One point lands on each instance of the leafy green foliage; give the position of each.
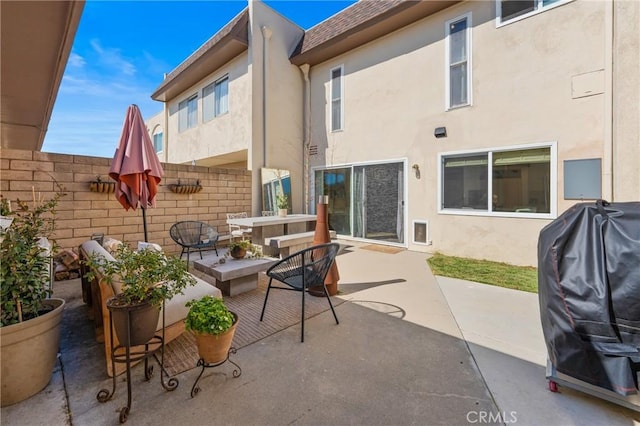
(523, 278)
(208, 315)
(146, 275)
(24, 266)
(282, 201)
(253, 250)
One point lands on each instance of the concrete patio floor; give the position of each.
(410, 349)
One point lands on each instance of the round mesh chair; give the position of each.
(194, 235)
(302, 271)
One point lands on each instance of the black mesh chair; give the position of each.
(304, 270)
(194, 235)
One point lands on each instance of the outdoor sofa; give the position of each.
(97, 292)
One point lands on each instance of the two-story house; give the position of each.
(455, 126)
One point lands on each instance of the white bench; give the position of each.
(293, 242)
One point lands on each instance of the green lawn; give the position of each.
(523, 278)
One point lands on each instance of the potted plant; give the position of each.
(238, 249)
(282, 202)
(29, 318)
(145, 279)
(213, 326)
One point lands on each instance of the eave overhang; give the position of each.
(226, 44)
(359, 24)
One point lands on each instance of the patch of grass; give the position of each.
(523, 278)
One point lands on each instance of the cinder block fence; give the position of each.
(82, 212)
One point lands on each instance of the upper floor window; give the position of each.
(502, 182)
(188, 113)
(336, 99)
(158, 144)
(215, 99)
(509, 10)
(458, 60)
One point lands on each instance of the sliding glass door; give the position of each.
(365, 201)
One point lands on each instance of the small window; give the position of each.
(158, 144)
(336, 99)
(215, 99)
(458, 43)
(188, 113)
(512, 10)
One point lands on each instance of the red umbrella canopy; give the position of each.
(135, 166)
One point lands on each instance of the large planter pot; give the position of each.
(214, 348)
(28, 352)
(143, 321)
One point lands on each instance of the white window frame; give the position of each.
(447, 61)
(553, 182)
(341, 99)
(213, 98)
(540, 7)
(187, 102)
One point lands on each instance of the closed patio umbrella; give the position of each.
(135, 166)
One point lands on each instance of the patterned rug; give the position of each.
(283, 310)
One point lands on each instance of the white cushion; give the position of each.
(176, 309)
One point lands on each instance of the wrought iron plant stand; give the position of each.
(126, 354)
(201, 363)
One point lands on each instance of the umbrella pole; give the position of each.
(144, 224)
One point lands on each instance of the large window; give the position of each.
(501, 182)
(458, 60)
(336, 99)
(215, 99)
(188, 113)
(510, 10)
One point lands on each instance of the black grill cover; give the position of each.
(589, 292)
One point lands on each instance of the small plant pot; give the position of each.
(282, 212)
(238, 252)
(214, 348)
(143, 321)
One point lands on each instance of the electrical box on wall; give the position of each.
(583, 179)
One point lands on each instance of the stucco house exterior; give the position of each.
(455, 126)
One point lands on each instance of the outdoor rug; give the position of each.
(283, 310)
(383, 249)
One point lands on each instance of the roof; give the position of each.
(223, 46)
(359, 24)
(36, 40)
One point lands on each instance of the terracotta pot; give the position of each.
(214, 348)
(238, 253)
(29, 351)
(143, 321)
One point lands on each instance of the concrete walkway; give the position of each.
(410, 349)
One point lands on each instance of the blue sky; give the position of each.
(121, 51)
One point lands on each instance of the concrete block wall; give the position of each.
(83, 212)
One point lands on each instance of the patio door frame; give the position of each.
(352, 166)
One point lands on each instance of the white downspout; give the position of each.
(306, 123)
(608, 154)
(266, 36)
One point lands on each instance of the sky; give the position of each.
(120, 54)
